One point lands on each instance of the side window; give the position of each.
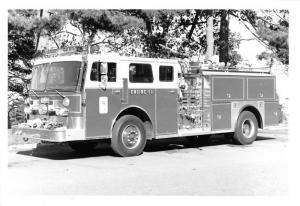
(95, 72)
(111, 72)
(166, 73)
(140, 73)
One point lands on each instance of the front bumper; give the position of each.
(55, 135)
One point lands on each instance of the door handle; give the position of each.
(172, 91)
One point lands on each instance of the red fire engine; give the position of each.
(80, 99)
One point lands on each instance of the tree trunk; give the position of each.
(210, 38)
(224, 37)
(38, 36)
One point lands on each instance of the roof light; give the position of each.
(66, 51)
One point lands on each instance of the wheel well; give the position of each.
(142, 115)
(256, 114)
(136, 112)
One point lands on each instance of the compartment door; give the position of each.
(166, 111)
(227, 88)
(261, 88)
(221, 116)
(272, 113)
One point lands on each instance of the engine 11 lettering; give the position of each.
(141, 91)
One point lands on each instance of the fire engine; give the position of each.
(81, 99)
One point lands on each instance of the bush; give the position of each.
(15, 116)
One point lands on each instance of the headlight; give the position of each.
(27, 110)
(62, 112)
(42, 109)
(66, 101)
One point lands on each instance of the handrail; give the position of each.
(194, 67)
(238, 70)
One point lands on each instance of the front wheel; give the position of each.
(128, 136)
(246, 128)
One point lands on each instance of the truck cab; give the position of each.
(79, 99)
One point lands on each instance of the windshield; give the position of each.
(57, 75)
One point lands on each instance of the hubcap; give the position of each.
(131, 136)
(248, 128)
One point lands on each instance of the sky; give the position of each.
(248, 49)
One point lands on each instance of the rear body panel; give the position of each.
(272, 113)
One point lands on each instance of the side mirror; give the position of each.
(103, 69)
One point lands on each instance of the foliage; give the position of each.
(277, 38)
(21, 49)
(91, 27)
(270, 28)
(24, 28)
(151, 33)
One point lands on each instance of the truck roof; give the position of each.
(115, 57)
(78, 57)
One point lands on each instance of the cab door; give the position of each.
(166, 100)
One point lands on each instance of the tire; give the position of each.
(246, 128)
(83, 146)
(128, 136)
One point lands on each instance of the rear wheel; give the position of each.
(246, 128)
(128, 136)
(83, 146)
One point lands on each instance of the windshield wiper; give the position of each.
(63, 96)
(60, 94)
(34, 93)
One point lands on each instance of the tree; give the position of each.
(92, 27)
(210, 37)
(21, 49)
(224, 37)
(270, 28)
(24, 29)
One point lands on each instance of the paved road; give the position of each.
(168, 167)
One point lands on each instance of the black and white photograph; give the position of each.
(147, 102)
